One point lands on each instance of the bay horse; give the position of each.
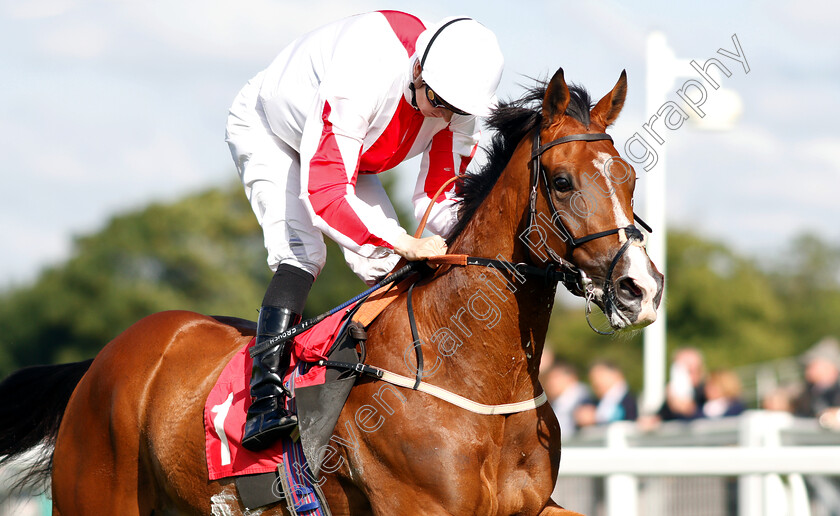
(127, 427)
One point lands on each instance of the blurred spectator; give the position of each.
(686, 391)
(615, 401)
(822, 388)
(566, 393)
(723, 395)
(779, 399)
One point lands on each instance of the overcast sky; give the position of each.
(107, 105)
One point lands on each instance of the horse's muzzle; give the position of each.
(637, 293)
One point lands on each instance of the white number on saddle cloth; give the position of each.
(221, 412)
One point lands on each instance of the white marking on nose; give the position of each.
(638, 260)
(618, 213)
(638, 272)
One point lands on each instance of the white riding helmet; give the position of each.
(462, 63)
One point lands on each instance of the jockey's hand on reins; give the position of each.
(413, 249)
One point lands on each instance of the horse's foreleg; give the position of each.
(552, 509)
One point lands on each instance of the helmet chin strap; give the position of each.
(413, 95)
(416, 76)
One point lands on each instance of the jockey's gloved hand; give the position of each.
(412, 248)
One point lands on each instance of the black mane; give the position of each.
(511, 121)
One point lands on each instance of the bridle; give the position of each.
(628, 235)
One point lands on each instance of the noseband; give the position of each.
(628, 235)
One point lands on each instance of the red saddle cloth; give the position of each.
(229, 399)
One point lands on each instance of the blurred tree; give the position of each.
(722, 303)
(807, 278)
(203, 253)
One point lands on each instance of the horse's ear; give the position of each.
(556, 98)
(607, 109)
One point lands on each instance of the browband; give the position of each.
(586, 137)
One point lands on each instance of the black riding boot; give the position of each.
(267, 419)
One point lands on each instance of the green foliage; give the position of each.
(201, 254)
(723, 304)
(807, 279)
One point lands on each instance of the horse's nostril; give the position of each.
(629, 289)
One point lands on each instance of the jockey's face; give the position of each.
(423, 104)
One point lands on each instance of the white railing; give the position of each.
(771, 454)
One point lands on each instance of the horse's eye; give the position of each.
(562, 184)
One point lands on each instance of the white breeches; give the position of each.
(270, 172)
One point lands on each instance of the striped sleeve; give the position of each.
(449, 154)
(329, 168)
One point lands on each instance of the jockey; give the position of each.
(309, 134)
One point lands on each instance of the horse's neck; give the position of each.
(494, 229)
(500, 317)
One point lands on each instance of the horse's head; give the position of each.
(583, 207)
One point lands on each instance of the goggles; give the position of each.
(438, 102)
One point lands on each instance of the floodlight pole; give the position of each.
(662, 69)
(659, 79)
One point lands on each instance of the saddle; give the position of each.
(326, 363)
